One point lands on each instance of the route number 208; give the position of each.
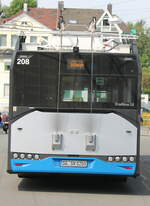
(23, 61)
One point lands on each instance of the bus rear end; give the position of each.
(75, 113)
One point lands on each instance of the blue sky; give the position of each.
(127, 10)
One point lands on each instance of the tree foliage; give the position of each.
(139, 26)
(144, 50)
(17, 5)
(143, 43)
(5, 10)
(146, 80)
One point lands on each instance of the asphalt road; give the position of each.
(74, 191)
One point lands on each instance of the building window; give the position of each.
(3, 40)
(13, 40)
(6, 90)
(7, 66)
(33, 39)
(44, 42)
(106, 20)
(72, 21)
(25, 23)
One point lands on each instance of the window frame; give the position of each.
(5, 41)
(43, 43)
(7, 66)
(6, 90)
(34, 42)
(13, 41)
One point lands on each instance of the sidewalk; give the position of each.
(1, 131)
(145, 131)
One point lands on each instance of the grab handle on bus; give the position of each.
(20, 128)
(128, 131)
(57, 141)
(91, 142)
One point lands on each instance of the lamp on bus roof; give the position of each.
(76, 49)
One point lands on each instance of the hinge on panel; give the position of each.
(91, 142)
(57, 141)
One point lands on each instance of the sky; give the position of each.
(127, 10)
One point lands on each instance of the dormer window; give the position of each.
(72, 21)
(106, 20)
(104, 24)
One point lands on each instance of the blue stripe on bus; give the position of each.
(53, 165)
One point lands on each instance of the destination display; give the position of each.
(75, 64)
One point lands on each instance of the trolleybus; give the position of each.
(74, 112)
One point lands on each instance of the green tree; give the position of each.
(5, 10)
(144, 50)
(17, 5)
(143, 43)
(146, 80)
(139, 26)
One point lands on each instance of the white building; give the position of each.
(144, 98)
(5, 62)
(33, 24)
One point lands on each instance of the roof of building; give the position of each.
(75, 19)
(79, 19)
(47, 17)
(124, 27)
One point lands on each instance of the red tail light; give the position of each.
(127, 168)
(19, 164)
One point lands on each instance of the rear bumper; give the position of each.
(53, 165)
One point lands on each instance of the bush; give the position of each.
(146, 81)
(146, 91)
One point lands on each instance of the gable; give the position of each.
(104, 24)
(26, 22)
(120, 27)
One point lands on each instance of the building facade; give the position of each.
(32, 23)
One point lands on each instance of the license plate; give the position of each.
(74, 163)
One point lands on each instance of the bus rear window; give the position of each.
(75, 89)
(114, 92)
(99, 92)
